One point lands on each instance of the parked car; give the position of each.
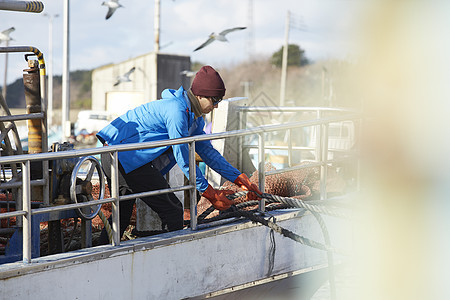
(91, 121)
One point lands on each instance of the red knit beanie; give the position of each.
(208, 83)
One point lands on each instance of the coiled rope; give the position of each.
(287, 202)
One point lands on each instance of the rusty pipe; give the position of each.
(32, 87)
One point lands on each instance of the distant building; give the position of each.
(143, 84)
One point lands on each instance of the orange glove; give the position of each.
(218, 198)
(247, 185)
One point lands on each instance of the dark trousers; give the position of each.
(143, 179)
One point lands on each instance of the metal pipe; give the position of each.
(25, 6)
(261, 170)
(192, 181)
(26, 203)
(44, 132)
(31, 116)
(17, 184)
(115, 207)
(35, 50)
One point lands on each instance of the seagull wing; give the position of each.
(8, 31)
(117, 82)
(110, 12)
(127, 74)
(226, 31)
(208, 41)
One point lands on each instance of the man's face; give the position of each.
(207, 104)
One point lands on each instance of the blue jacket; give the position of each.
(168, 118)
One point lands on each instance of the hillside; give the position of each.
(80, 91)
(324, 83)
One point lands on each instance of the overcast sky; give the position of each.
(321, 27)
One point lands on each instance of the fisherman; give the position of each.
(178, 114)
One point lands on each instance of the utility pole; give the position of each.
(250, 32)
(8, 38)
(65, 121)
(284, 61)
(50, 68)
(5, 84)
(156, 29)
(157, 25)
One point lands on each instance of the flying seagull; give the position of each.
(125, 77)
(188, 73)
(4, 35)
(219, 37)
(112, 6)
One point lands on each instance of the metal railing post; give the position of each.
(289, 147)
(240, 140)
(324, 161)
(261, 169)
(114, 190)
(318, 137)
(192, 181)
(26, 200)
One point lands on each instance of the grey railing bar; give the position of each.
(279, 147)
(309, 165)
(154, 144)
(154, 193)
(44, 210)
(12, 214)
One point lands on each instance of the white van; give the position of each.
(92, 121)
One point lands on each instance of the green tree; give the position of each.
(296, 56)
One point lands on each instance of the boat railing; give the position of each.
(25, 161)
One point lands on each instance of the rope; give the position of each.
(272, 249)
(301, 204)
(66, 247)
(107, 225)
(287, 233)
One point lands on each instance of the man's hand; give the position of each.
(218, 198)
(247, 185)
